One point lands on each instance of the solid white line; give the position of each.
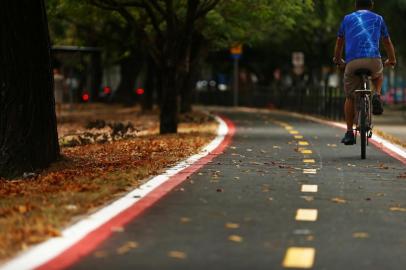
(42, 253)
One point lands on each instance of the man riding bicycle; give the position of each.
(361, 32)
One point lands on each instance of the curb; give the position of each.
(379, 142)
(83, 237)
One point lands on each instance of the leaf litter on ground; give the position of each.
(92, 174)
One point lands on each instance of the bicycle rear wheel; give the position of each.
(363, 129)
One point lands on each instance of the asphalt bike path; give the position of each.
(285, 195)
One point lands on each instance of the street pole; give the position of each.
(236, 81)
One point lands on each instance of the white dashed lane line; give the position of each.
(309, 171)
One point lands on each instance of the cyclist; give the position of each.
(361, 32)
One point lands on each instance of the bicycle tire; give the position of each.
(363, 129)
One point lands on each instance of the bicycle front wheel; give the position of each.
(363, 129)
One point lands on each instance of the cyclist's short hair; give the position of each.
(364, 4)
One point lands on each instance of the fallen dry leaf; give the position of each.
(230, 225)
(185, 220)
(176, 254)
(22, 209)
(310, 238)
(117, 229)
(71, 207)
(361, 235)
(308, 198)
(127, 247)
(100, 254)
(338, 200)
(235, 238)
(397, 209)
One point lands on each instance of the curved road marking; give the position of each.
(82, 238)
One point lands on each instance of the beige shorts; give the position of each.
(353, 82)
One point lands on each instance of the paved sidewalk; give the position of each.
(285, 195)
(393, 123)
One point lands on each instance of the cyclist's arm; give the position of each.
(338, 51)
(390, 51)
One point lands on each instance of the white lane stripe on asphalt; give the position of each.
(44, 252)
(309, 171)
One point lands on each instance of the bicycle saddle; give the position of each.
(362, 72)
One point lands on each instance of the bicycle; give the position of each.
(364, 113)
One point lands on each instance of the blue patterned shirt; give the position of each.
(362, 31)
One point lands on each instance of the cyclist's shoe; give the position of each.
(349, 138)
(377, 105)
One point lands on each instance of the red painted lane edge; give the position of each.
(388, 151)
(378, 145)
(96, 237)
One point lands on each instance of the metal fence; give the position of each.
(315, 100)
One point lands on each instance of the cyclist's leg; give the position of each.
(377, 82)
(349, 112)
(376, 67)
(351, 83)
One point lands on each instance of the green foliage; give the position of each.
(76, 23)
(252, 21)
(247, 21)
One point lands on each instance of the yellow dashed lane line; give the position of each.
(302, 257)
(299, 257)
(306, 215)
(310, 188)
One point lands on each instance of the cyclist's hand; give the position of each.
(389, 63)
(339, 62)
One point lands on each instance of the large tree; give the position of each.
(177, 30)
(28, 134)
(168, 36)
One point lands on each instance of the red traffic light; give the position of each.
(140, 91)
(107, 90)
(85, 97)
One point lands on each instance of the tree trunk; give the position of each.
(195, 52)
(169, 105)
(130, 68)
(28, 134)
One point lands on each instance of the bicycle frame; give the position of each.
(364, 115)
